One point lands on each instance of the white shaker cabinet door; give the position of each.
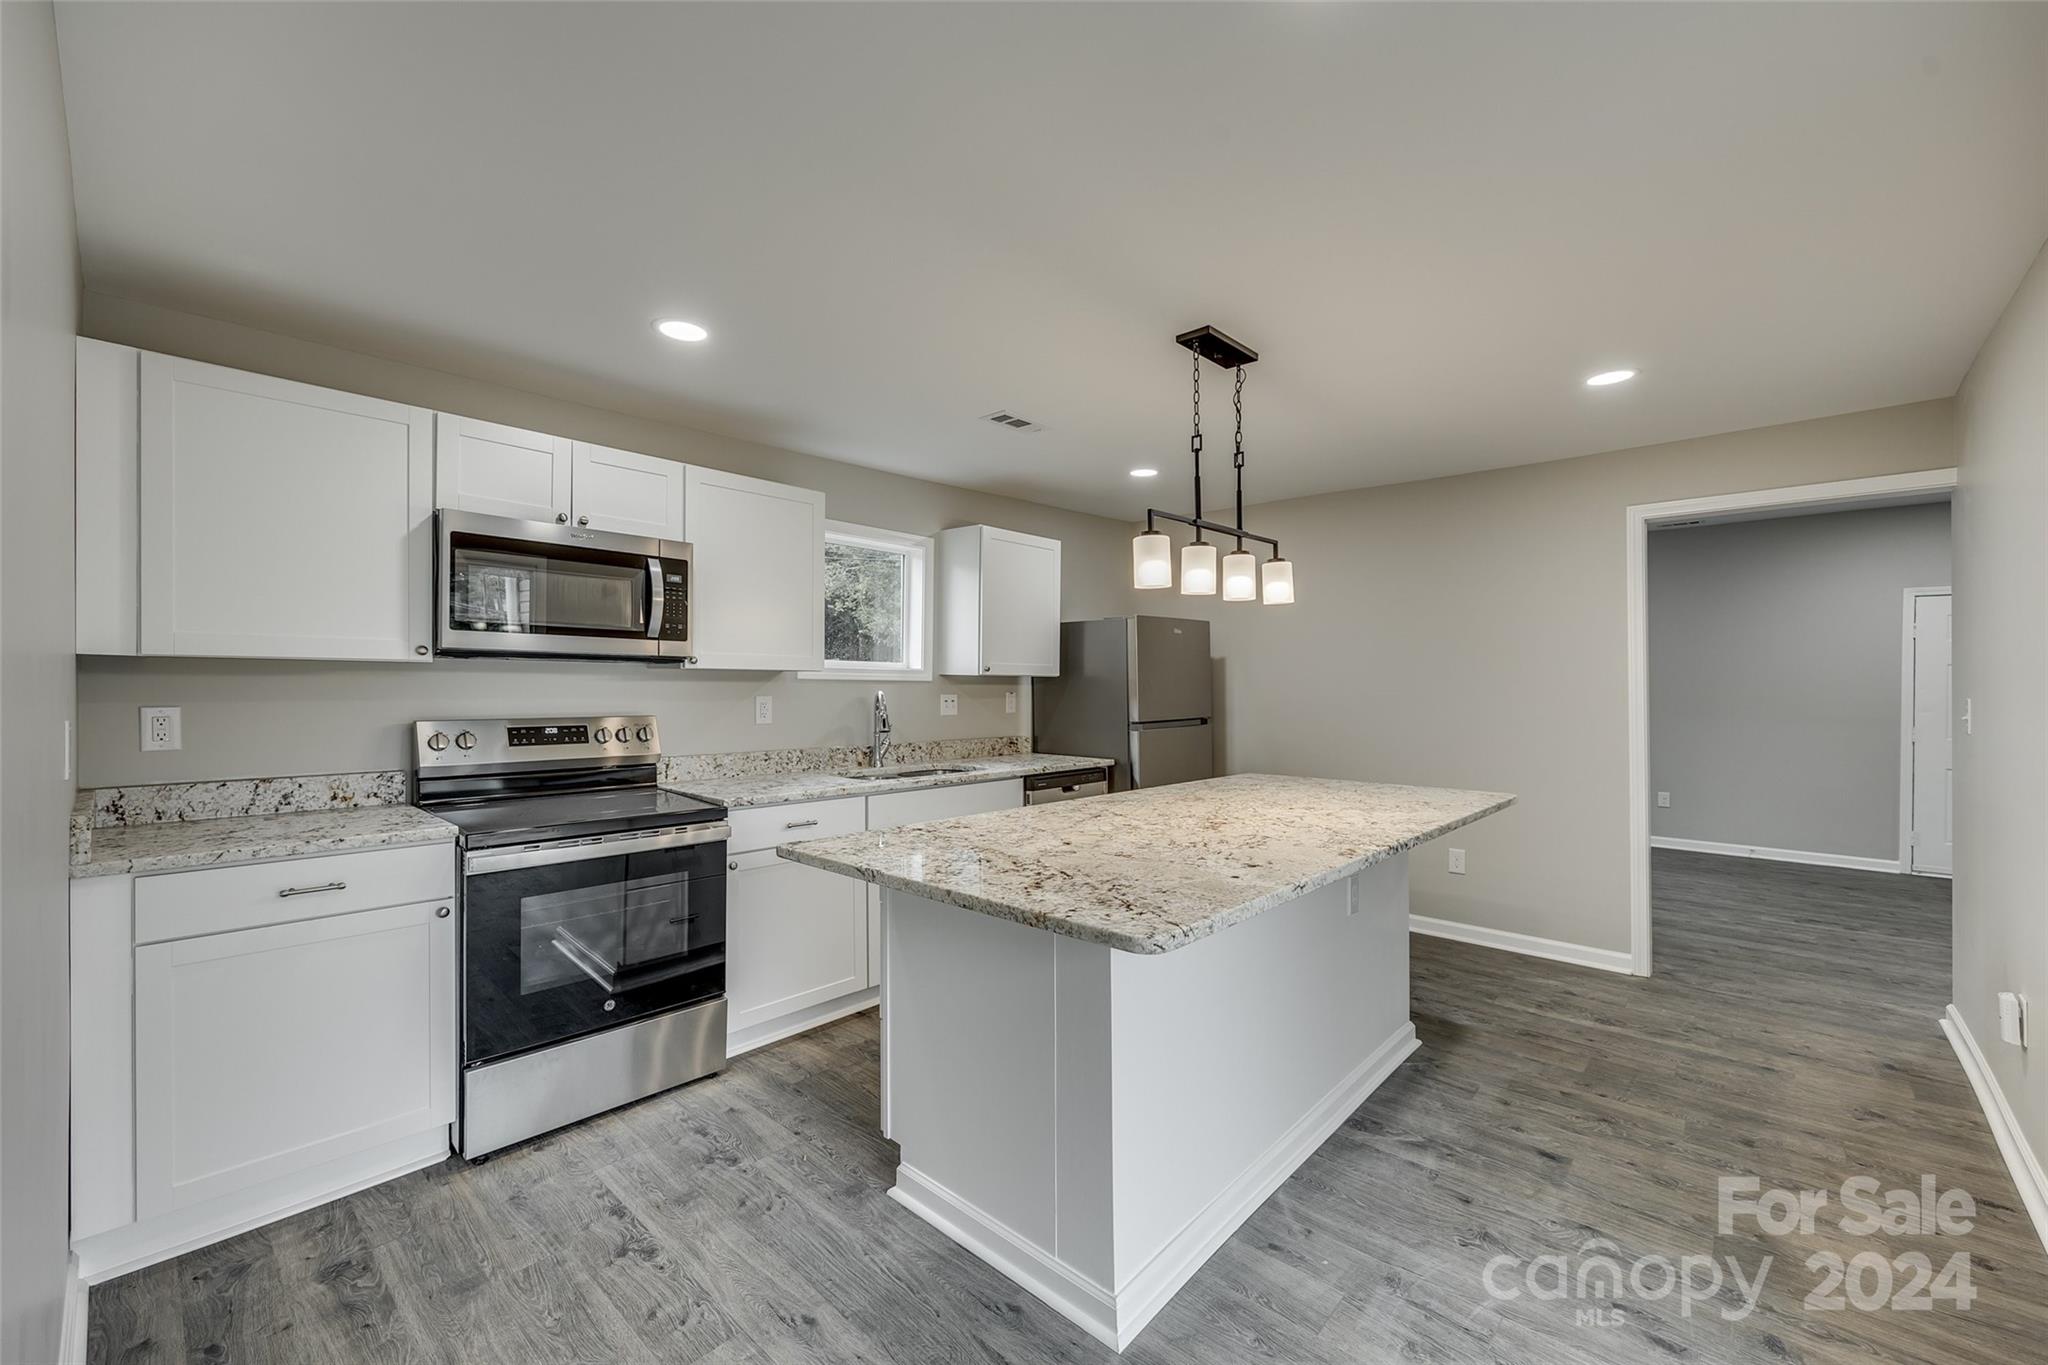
(267, 1051)
(281, 521)
(758, 553)
(795, 936)
(633, 495)
(999, 603)
(500, 471)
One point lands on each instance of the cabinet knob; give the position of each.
(442, 913)
(562, 518)
(420, 650)
(583, 521)
(732, 867)
(988, 668)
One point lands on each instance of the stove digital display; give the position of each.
(518, 735)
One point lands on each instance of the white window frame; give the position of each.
(917, 665)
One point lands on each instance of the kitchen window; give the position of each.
(878, 604)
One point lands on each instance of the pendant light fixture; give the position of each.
(1241, 576)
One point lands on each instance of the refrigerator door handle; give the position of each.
(1168, 724)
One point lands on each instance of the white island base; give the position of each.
(1095, 1123)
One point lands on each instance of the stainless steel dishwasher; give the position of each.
(1066, 786)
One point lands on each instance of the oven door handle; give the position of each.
(616, 846)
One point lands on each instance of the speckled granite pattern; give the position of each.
(678, 770)
(1151, 871)
(169, 845)
(778, 789)
(244, 796)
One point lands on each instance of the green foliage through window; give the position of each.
(866, 603)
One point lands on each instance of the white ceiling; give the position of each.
(1433, 221)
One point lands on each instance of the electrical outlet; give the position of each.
(764, 710)
(2012, 1018)
(1664, 800)
(949, 703)
(1010, 702)
(163, 727)
(1458, 861)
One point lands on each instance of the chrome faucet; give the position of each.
(878, 746)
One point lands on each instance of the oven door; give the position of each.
(564, 940)
(504, 586)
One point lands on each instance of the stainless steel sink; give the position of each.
(887, 774)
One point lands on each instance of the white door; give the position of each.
(280, 520)
(267, 1051)
(795, 936)
(1020, 604)
(500, 471)
(1933, 735)
(634, 495)
(758, 553)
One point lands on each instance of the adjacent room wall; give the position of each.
(38, 314)
(1774, 676)
(1471, 632)
(2001, 675)
(247, 719)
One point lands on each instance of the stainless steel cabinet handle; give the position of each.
(798, 824)
(583, 521)
(419, 649)
(442, 913)
(312, 890)
(561, 518)
(732, 867)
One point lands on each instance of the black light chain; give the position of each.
(1237, 455)
(1195, 441)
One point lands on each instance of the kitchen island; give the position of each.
(1111, 1028)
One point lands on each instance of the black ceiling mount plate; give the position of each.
(1217, 348)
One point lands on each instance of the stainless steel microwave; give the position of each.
(504, 586)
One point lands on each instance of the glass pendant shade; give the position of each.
(1198, 569)
(1240, 576)
(1151, 561)
(1277, 578)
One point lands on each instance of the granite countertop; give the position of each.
(1154, 870)
(776, 789)
(171, 845)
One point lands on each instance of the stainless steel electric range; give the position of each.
(593, 919)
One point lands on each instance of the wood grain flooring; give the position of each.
(1789, 1035)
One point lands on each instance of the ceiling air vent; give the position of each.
(1012, 421)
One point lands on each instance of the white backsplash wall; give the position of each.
(246, 718)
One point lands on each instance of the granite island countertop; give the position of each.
(1153, 870)
(739, 791)
(173, 845)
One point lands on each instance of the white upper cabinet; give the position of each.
(999, 603)
(634, 495)
(279, 520)
(500, 471)
(758, 553)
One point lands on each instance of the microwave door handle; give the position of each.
(657, 598)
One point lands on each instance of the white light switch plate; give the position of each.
(163, 727)
(949, 703)
(1458, 860)
(1664, 800)
(2012, 1018)
(764, 710)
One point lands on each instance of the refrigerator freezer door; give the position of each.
(1169, 669)
(1164, 754)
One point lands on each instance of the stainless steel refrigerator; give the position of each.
(1135, 689)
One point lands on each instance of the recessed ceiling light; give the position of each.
(1144, 473)
(1606, 377)
(675, 329)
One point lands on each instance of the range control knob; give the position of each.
(437, 741)
(465, 741)
(604, 736)
(643, 734)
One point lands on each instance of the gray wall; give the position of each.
(2001, 630)
(1471, 632)
(38, 313)
(258, 719)
(1774, 675)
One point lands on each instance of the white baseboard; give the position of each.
(71, 1343)
(2005, 1126)
(1605, 959)
(1777, 855)
(1115, 1317)
(803, 1021)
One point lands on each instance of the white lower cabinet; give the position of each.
(255, 1053)
(795, 939)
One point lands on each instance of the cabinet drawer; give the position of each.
(213, 900)
(767, 826)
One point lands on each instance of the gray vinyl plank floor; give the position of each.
(1789, 1035)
